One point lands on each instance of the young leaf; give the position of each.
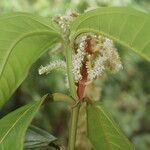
(23, 38)
(103, 132)
(37, 138)
(129, 27)
(14, 125)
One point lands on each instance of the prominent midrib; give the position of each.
(117, 130)
(17, 120)
(109, 120)
(106, 137)
(26, 35)
(13, 125)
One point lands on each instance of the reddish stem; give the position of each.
(81, 84)
(88, 45)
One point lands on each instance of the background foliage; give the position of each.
(126, 94)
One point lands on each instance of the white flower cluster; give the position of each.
(78, 59)
(64, 21)
(111, 53)
(97, 69)
(58, 64)
(104, 57)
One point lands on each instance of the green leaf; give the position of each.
(128, 27)
(37, 138)
(23, 39)
(103, 132)
(14, 125)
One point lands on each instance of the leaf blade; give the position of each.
(124, 25)
(103, 132)
(14, 125)
(23, 39)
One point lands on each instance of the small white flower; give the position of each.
(108, 44)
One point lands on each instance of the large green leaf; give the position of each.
(23, 38)
(14, 125)
(103, 132)
(127, 26)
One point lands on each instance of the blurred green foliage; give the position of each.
(126, 95)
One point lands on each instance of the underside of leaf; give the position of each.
(23, 39)
(126, 26)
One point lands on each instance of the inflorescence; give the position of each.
(64, 20)
(103, 56)
(95, 52)
(58, 64)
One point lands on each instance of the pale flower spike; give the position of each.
(78, 59)
(58, 64)
(103, 57)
